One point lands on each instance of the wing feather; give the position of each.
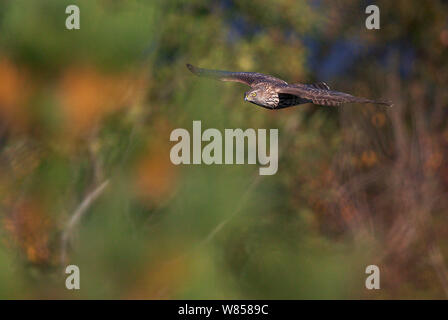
(249, 78)
(325, 97)
(320, 85)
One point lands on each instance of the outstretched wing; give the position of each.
(319, 85)
(249, 78)
(325, 97)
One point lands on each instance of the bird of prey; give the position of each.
(273, 93)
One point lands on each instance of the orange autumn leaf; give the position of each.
(87, 95)
(444, 37)
(163, 279)
(378, 119)
(13, 93)
(155, 175)
(434, 160)
(369, 158)
(29, 228)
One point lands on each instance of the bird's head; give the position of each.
(254, 96)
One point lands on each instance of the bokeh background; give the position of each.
(85, 175)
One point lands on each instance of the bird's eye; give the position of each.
(253, 94)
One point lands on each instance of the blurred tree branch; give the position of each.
(80, 211)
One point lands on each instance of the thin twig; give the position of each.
(76, 217)
(290, 126)
(238, 208)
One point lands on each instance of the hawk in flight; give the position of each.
(273, 93)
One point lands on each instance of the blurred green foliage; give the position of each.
(81, 107)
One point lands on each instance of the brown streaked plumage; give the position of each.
(273, 93)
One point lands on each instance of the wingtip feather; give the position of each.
(387, 103)
(383, 102)
(192, 68)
